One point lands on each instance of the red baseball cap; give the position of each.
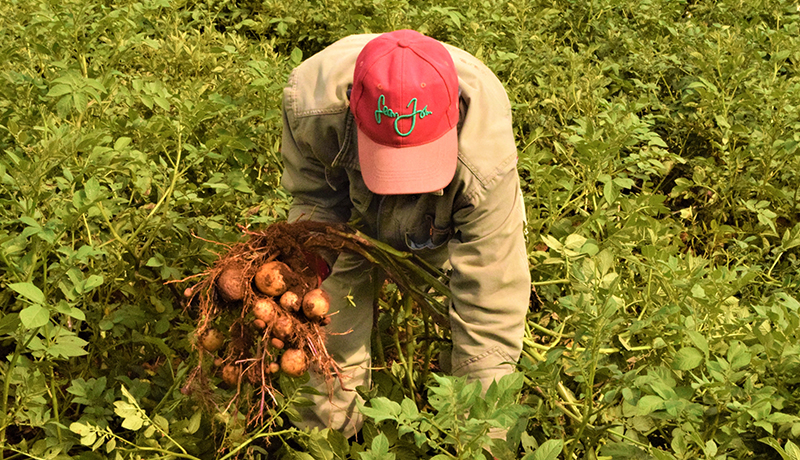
(405, 103)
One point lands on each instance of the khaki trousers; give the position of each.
(353, 286)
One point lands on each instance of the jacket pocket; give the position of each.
(427, 235)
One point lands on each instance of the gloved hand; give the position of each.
(318, 264)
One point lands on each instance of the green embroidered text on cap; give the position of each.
(384, 110)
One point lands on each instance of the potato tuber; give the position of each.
(231, 283)
(283, 327)
(265, 309)
(294, 362)
(231, 374)
(270, 278)
(316, 304)
(290, 301)
(212, 340)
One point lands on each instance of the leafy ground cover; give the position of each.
(658, 146)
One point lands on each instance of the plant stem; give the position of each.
(603, 351)
(54, 398)
(588, 388)
(400, 355)
(7, 388)
(168, 193)
(550, 282)
(381, 358)
(410, 347)
(152, 449)
(544, 330)
(428, 350)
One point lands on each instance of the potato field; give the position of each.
(659, 149)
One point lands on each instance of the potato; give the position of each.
(270, 278)
(260, 324)
(231, 374)
(212, 340)
(316, 304)
(290, 301)
(283, 327)
(294, 362)
(277, 343)
(231, 283)
(274, 368)
(265, 309)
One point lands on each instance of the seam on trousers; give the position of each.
(495, 350)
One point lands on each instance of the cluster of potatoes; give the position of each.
(278, 310)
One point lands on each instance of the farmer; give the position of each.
(410, 140)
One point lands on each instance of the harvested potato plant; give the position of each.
(262, 298)
(249, 307)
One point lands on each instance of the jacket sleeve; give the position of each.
(491, 282)
(319, 191)
(491, 279)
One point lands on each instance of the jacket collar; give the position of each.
(347, 157)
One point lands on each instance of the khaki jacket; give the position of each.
(476, 223)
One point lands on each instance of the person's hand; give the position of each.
(318, 264)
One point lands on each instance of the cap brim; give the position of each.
(406, 170)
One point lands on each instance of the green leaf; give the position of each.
(59, 90)
(92, 282)
(162, 423)
(649, 403)
(552, 242)
(92, 189)
(687, 358)
(67, 346)
(34, 316)
(130, 415)
(379, 449)
(162, 102)
(792, 450)
(624, 182)
(80, 101)
(87, 433)
(738, 355)
(610, 192)
(549, 450)
(121, 143)
(319, 447)
(699, 341)
(710, 449)
(296, 56)
(9, 323)
(409, 409)
(194, 422)
(29, 291)
(661, 455)
(382, 409)
(574, 241)
(130, 412)
(76, 313)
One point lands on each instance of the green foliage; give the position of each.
(459, 424)
(659, 154)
